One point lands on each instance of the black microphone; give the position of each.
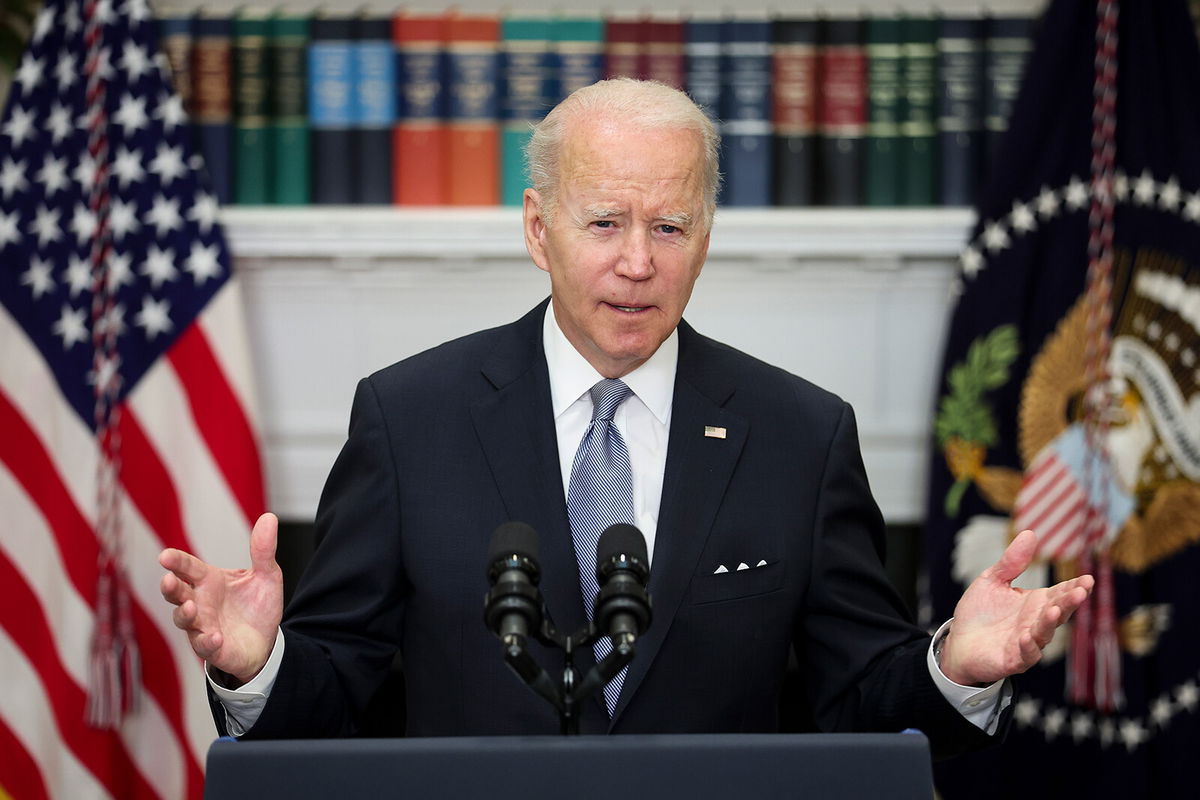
(622, 608)
(513, 606)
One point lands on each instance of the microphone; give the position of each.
(622, 608)
(513, 606)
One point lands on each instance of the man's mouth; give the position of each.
(628, 309)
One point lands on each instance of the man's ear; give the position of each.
(535, 228)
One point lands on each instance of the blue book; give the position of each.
(960, 47)
(212, 95)
(702, 63)
(747, 148)
(375, 106)
(1009, 43)
(332, 108)
(579, 53)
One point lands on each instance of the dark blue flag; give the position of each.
(1084, 427)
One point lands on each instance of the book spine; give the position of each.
(960, 117)
(746, 113)
(331, 108)
(1009, 43)
(842, 112)
(662, 51)
(579, 46)
(794, 114)
(882, 158)
(212, 94)
(474, 137)
(528, 94)
(918, 143)
(419, 139)
(375, 101)
(623, 47)
(251, 161)
(702, 75)
(175, 37)
(288, 143)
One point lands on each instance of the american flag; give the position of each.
(125, 411)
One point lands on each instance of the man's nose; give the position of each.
(637, 258)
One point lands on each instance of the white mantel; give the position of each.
(855, 300)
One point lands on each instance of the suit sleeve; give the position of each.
(863, 659)
(343, 625)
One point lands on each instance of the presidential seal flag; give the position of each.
(1070, 404)
(125, 422)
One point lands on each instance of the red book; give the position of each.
(420, 138)
(473, 138)
(661, 42)
(623, 47)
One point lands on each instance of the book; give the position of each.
(287, 132)
(473, 139)
(882, 157)
(960, 108)
(251, 161)
(746, 112)
(918, 139)
(1009, 41)
(841, 111)
(331, 108)
(661, 41)
(623, 46)
(794, 110)
(702, 62)
(579, 47)
(375, 103)
(528, 69)
(175, 40)
(419, 138)
(212, 95)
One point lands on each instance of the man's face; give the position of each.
(627, 242)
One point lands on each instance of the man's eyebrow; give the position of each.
(601, 212)
(682, 218)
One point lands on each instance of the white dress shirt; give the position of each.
(644, 420)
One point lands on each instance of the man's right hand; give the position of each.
(231, 616)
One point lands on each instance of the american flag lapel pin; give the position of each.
(714, 432)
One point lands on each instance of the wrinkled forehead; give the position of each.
(602, 153)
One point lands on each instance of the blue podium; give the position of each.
(662, 767)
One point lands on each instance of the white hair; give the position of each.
(643, 104)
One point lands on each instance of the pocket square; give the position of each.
(721, 568)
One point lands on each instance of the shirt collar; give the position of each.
(571, 376)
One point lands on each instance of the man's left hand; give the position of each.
(1000, 630)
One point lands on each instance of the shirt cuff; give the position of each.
(980, 707)
(244, 705)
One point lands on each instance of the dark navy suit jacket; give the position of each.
(445, 446)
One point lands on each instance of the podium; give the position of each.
(662, 767)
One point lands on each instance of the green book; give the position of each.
(251, 166)
(529, 85)
(287, 132)
(918, 140)
(884, 111)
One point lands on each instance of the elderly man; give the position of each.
(721, 460)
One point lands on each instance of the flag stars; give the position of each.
(8, 229)
(12, 178)
(38, 278)
(132, 114)
(164, 215)
(1108, 731)
(1144, 189)
(137, 10)
(159, 266)
(1054, 722)
(19, 126)
(71, 326)
(53, 175)
(203, 262)
(85, 172)
(1081, 726)
(127, 166)
(79, 275)
(112, 322)
(1076, 194)
(29, 74)
(1188, 696)
(1170, 196)
(971, 261)
(43, 24)
(45, 225)
(995, 237)
(155, 317)
(168, 164)
(204, 211)
(1047, 203)
(135, 61)
(1133, 734)
(122, 219)
(120, 272)
(83, 223)
(59, 122)
(1121, 186)
(1023, 220)
(170, 111)
(1191, 208)
(1026, 711)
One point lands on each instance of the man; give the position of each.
(731, 462)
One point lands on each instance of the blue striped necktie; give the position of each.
(600, 495)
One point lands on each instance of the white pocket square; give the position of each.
(743, 565)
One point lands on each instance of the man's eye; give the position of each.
(669, 229)
(604, 223)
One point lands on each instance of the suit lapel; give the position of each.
(698, 471)
(515, 426)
